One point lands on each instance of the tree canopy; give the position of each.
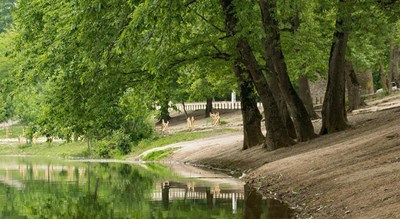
(94, 67)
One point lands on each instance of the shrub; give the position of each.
(118, 143)
(138, 129)
(121, 141)
(103, 149)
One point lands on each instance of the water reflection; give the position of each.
(255, 206)
(252, 203)
(40, 188)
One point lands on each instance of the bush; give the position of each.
(118, 143)
(103, 149)
(138, 129)
(122, 141)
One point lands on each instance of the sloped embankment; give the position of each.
(351, 174)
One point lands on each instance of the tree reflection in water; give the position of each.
(252, 203)
(256, 208)
(60, 189)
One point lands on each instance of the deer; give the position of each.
(164, 126)
(190, 122)
(216, 118)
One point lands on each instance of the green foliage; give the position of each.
(15, 131)
(72, 78)
(94, 68)
(136, 114)
(307, 46)
(376, 78)
(65, 189)
(6, 6)
(117, 144)
(7, 84)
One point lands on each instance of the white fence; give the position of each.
(215, 105)
(222, 105)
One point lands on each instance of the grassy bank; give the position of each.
(159, 155)
(79, 149)
(160, 141)
(75, 149)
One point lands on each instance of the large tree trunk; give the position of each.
(209, 107)
(334, 116)
(252, 203)
(366, 82)
(353, 88)
(277, 135)
(283, 109)
(394, 63)
(184, 109)
(384, 79)
(301, 120)
(391, 68)
(250, 113)
(305, 96)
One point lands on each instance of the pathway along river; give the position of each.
(39, 187)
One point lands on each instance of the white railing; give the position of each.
(222, 105)
(215, 105)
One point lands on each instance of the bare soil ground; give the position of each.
(349, 174)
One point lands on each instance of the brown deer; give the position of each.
(216, 118)
(164, 126)
(190, 122)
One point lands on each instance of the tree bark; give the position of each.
(277, 135)
(301, 120)
(252, 203)
(283, 109)
(334, 116)
(391, 68)
(384, 78)
(353, 88)
(366, 82)
(305, 96)
(396, 76)
(394, 63)
(184, 109)
(209, 107)
(250, 113)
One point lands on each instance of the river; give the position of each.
(41, 187)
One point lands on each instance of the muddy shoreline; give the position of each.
(349, 174)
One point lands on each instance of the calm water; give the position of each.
(32, 187)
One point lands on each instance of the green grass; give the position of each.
(159, 141)
(79, 149)
(159, 155)
(222, 122)
(13, 131)
(46, 149)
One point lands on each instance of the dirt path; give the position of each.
(197, 145)
(350, 174)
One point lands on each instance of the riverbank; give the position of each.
(350, 174)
